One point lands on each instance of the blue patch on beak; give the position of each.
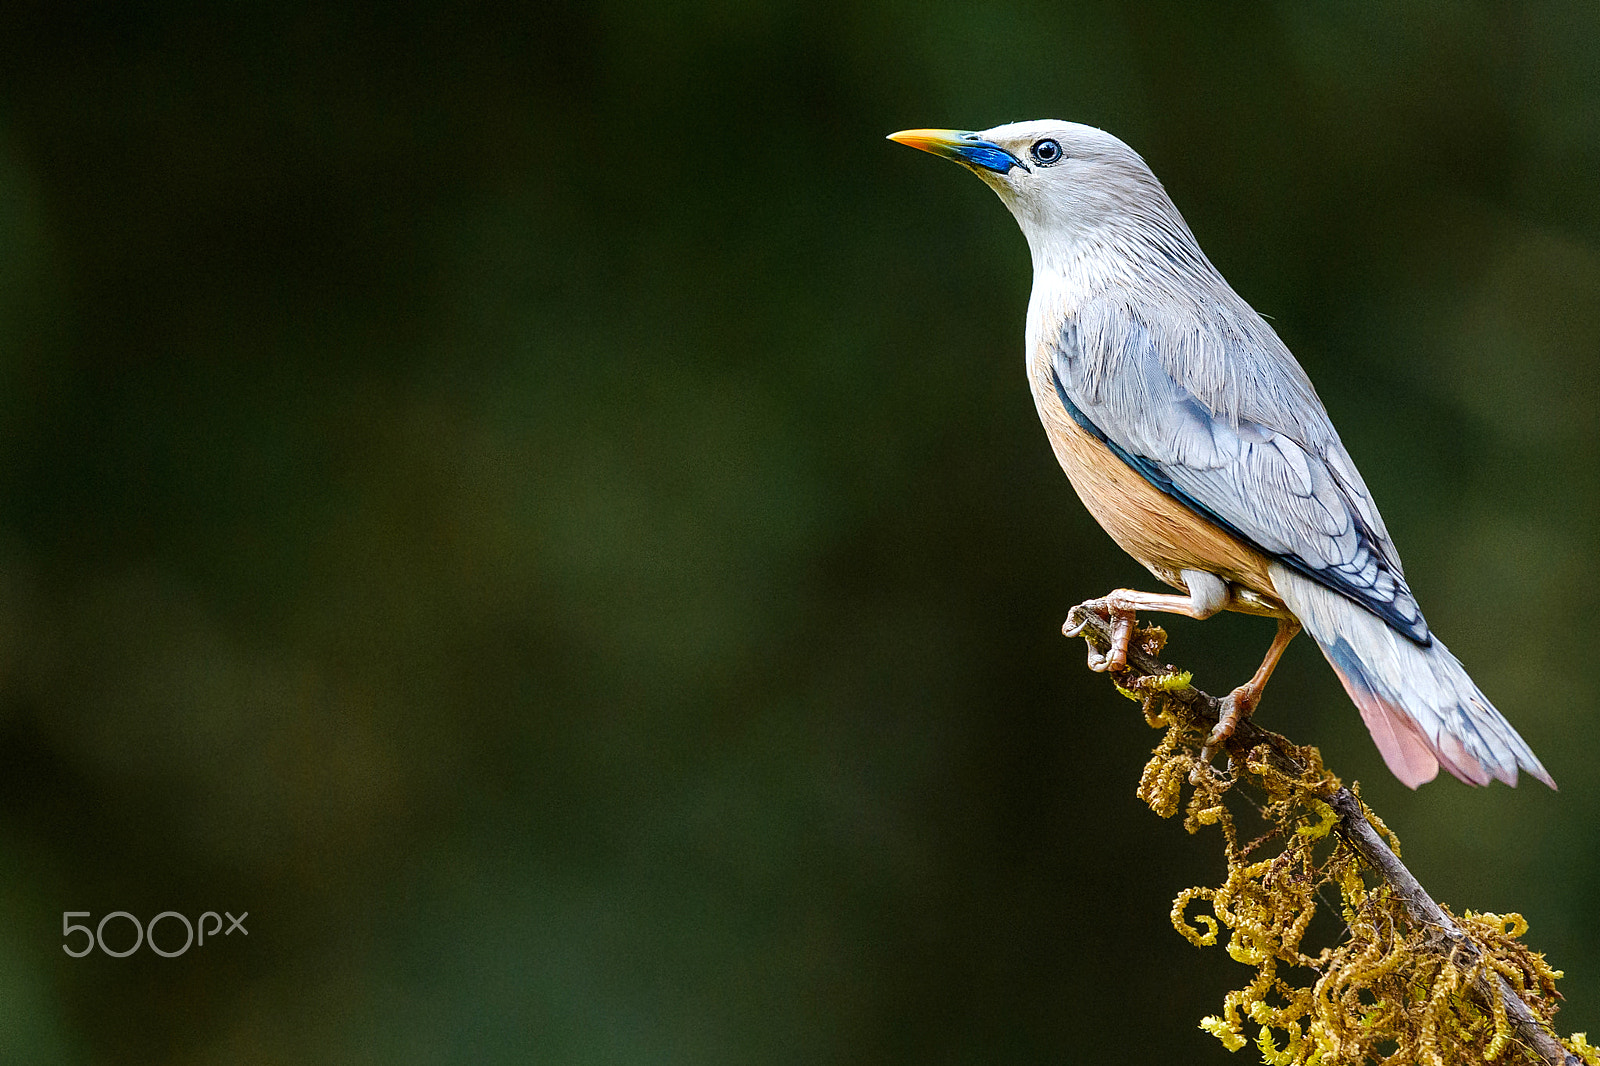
(986, 155)
(969, 149)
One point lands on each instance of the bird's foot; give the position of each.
(1076, 624)
(1237, 707)
(1121, 618)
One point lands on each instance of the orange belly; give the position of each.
(1162, 534)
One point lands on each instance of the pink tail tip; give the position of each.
(1409, 757)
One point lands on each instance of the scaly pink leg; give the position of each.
(1207, 595)
(1240, 704)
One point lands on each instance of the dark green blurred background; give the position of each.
(541, 508)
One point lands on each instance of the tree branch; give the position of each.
(1445, 937)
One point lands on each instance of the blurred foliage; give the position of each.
(540, 506)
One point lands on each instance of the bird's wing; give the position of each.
(1280, 480)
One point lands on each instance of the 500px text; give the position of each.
(145, 934)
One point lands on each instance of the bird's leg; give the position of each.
(1241, 703)
(1207, 595)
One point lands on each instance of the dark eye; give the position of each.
(1045, 152)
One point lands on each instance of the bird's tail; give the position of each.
(1421, 707)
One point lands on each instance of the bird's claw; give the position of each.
(1077, 619)
(1122, 620)
(1121, 632)
(1237, 707)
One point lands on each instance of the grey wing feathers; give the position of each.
(1246, 443)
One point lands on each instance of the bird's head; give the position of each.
(1063, 181)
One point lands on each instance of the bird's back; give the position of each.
(1156, 356)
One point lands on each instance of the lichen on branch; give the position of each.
(1407, 980)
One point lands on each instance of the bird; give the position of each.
(1197, 441)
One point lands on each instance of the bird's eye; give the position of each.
(1045, 152)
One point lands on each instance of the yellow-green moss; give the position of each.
(1383, 993)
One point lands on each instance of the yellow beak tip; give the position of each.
(926, 140)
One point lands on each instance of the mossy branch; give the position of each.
(1409, 982)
